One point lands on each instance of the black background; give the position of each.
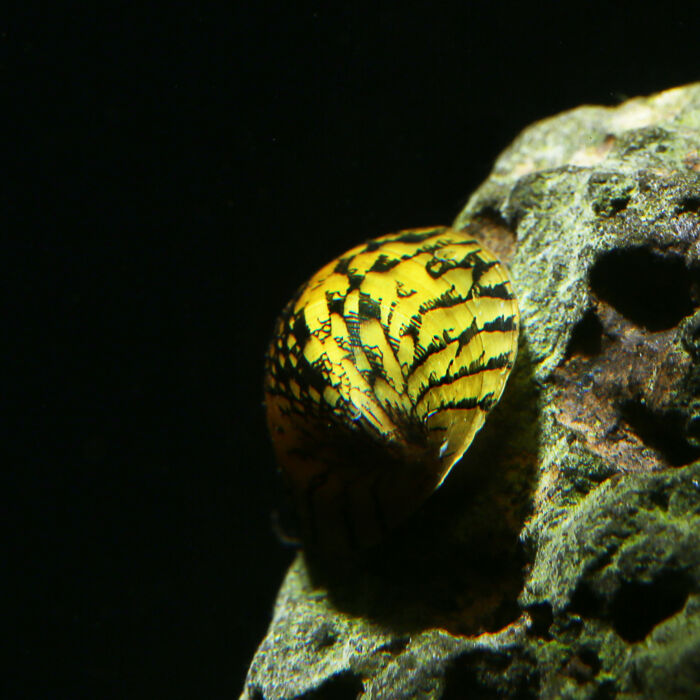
(173, 174)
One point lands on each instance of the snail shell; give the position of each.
(381, 370)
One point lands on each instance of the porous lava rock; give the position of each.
(561, 559)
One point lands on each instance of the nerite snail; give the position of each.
(381, 370)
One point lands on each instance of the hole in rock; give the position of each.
(325, 636)
(579, 670)
(660, 499)
(690, 204)
(542, 618)
(617, 204)
(464, 683)
(585, 602)
(639, 607)
(590, 658)
(396, 646)
(586, 337)
(487, 676)
(491, 216)
(649, 289)
(343, 686)
(606, 690)
(663, 432)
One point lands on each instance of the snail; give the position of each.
(381, 370)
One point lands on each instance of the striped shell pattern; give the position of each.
(381, 371)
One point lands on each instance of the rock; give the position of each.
(562, 559)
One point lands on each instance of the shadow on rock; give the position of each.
(457, 563)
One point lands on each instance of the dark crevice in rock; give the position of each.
(465, 684)
(663, 432)
(325, 636)
(609, 193)
(396, 645)
(491, 215)
(603, 559)
(649, 289)
(636, 607)
(612, 206)
(591, 659)
(606, 690)
(617, 204)
(639, 607)
(542, 618)
(343, 686)
(585, 602)
(489, 675)
(660, 498)
(493, 230)
(632, 402)
(690, 204)
(586, 338)
(583, 666)
(583, 481)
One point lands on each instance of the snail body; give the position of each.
(381, 370)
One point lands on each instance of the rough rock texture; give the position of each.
(562, 559)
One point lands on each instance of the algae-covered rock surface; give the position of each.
(561, 559)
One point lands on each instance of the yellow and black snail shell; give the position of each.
(381, 371)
